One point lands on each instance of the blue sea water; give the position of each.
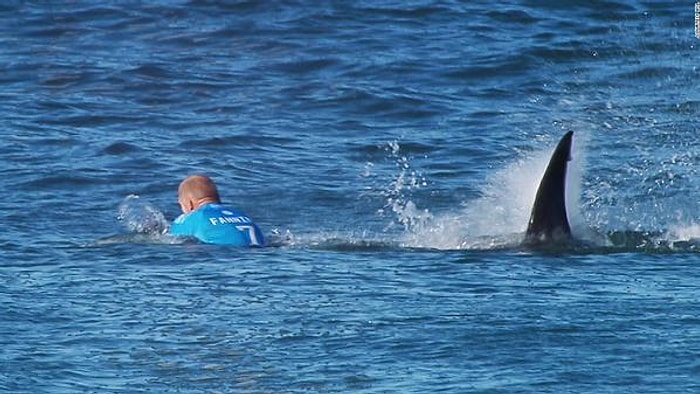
(391, 152)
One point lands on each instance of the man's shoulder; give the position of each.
(183, 225)
(181, 219)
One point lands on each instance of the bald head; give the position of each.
(195, 191)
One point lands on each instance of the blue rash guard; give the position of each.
(217, 224)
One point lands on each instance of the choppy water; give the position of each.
(391, 151)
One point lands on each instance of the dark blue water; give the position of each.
(391, 152)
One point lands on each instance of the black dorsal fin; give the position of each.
(548, 220)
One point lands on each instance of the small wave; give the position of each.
(151, 70)
(120, 148)
(62, 181)
(305, 66)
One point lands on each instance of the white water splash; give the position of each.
(140, 216)
(500, 216)
(398, 195)
(684, 233)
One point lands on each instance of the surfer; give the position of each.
(205, 218)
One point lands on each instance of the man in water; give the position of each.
(205, 218)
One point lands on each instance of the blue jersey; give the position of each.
(217, 224)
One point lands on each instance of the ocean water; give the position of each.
(390, 150)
